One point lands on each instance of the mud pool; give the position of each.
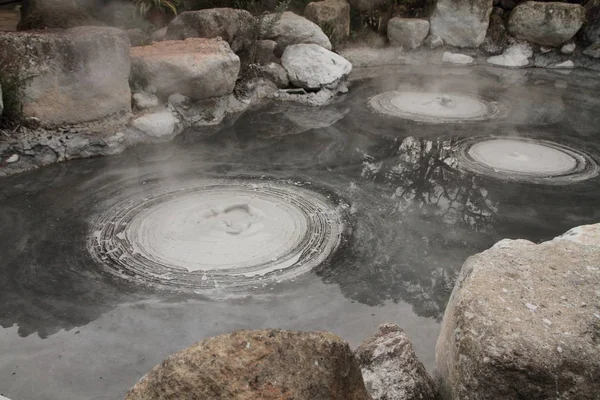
(405, 207)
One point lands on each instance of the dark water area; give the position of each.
(71, 328)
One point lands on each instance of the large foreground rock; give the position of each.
(253, 365)
(461, 23)
(51, 14)
(546, 24)
(332, 16)
(523, 322)
(310, 66)
(292, 29)
(233, 26)
(71, 76)
(197, 68)
(591, 28)
(408, 33)
(390, 367)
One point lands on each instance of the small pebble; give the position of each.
(559, 349)
(547, 322)
(12, 159)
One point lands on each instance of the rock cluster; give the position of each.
(523, 321)
(262, 365)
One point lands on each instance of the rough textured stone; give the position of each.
(568, 48)
(273, 72)
(591, 28)
(253, 365)
(76, 75)
(593, 50)
(333, 16)
(546, 24)
(407, 32)
(461, 23)
(523, 322)
(160, 124)
(496, 38)
(517, 55)
(265, 52)
(143, 100)
(293, 29)
(1, 102)
(197, 68)
(232, 25)
(390, 368)
(310, 66)
(456, 58)
(434, 41)
(51, 14)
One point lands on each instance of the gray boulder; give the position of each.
(1, 102)
(461, 23)
(390, 367)
(546, 24)
(158, 125)
(265, 52)
(408, 33)
(591, 28)
(197, 68)
(332, 16)
(496, 38)
(257, 365)
(310, 66)
(75, 75)
(292, 29)
(232, 25)
(523, 322)
(272, 72)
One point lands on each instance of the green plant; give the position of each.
(264, 21)
(143, 7)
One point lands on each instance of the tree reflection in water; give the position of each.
(411, 246)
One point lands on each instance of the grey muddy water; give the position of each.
(336, 218)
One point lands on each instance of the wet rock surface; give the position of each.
(591, 27)
(76, 75)
(524, 321)
(546, 24)
(232, 25)
(407, 32)
(266, 364)
(461, 23)
(390, 368)
(197, 68)
(310, 66)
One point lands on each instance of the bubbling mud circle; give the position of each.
(219, 233)
(435, 107)
(526, 159)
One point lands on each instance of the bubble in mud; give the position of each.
(523, 159)
(222, 233)
(436, 107)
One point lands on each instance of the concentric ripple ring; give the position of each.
(219, 233)
(525, 159)
(436, 107)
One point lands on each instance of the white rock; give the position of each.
(10, 160)
(144, 100)
(157, 125)
(294, 29)
(456, 58)
(516, 55)
(568, 48)
(566, 65)
(311, 66)
(407, 33)
(461, 23)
